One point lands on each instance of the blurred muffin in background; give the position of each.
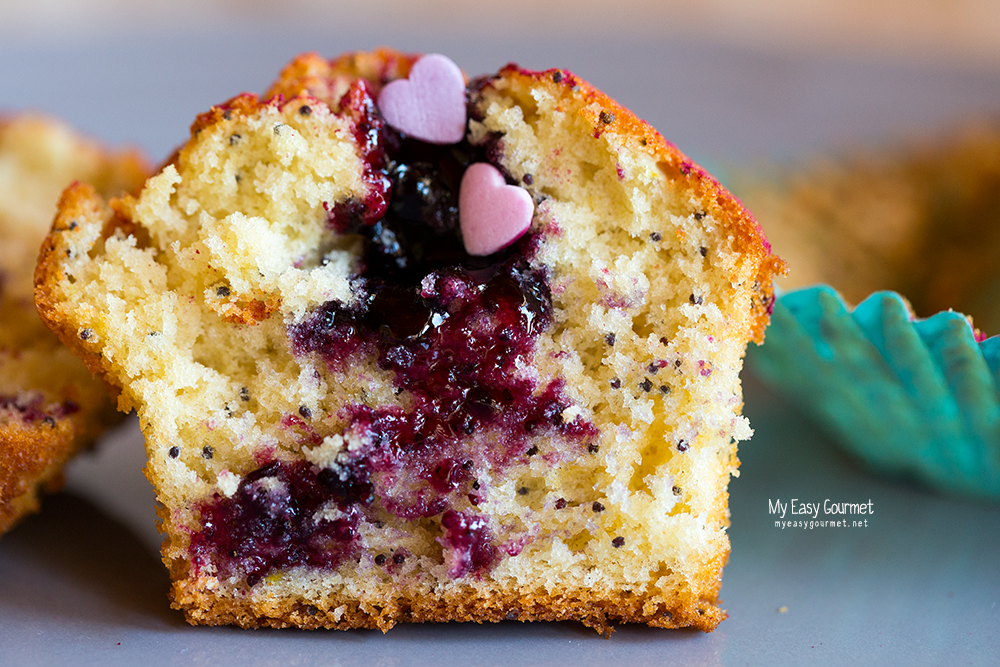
(50, 404)
(886, 347)
(922, 220)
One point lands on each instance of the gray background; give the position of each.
(82, 583)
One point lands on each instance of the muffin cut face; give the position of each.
(352, 422)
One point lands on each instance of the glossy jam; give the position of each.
(469, 544)
(280, 516)
(453, 330)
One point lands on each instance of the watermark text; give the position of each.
(798, 513)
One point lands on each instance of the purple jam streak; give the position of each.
(468, 543)
(372, 135)
(275, 520)
(453, 330)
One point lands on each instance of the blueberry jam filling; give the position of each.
(282, 515)
(453, 330)
(409, 216)
(375, 139)
(468, 542)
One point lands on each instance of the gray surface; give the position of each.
(82, 583)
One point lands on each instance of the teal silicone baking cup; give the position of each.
(910, 397)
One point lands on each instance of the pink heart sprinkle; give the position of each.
(491, 214)
(430, 105)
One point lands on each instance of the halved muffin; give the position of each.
(352, 421)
